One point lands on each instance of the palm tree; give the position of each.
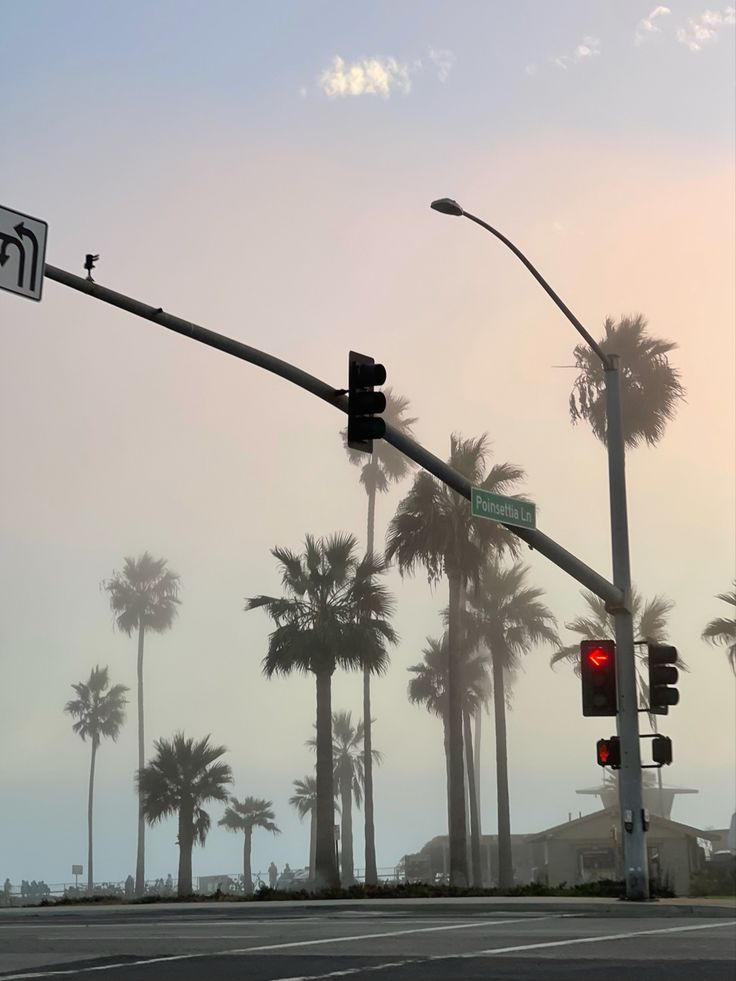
(385, 466)
(334, 614)
(182, 776)
(253, 812)
(428, 688)
(432, 527)
(100, 712)
(722, 631)
(651, 387)
(144, 596)
(508, 618)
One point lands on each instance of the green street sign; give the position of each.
(505, 510)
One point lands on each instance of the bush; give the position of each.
(716, 879)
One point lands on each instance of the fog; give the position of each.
(301, 225)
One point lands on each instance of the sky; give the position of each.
(266, 170)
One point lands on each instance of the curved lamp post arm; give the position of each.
(449, 207)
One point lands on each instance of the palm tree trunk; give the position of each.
(247, 876)
(458, 840)
(371, 872)
(90, 798)
(446, 738)
(477, 879)
(476, 762)
(312, 841)
(140, 861)
(505, 864)
(347, 869)
(186, 843)
(325, 867)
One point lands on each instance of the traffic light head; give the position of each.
(662, 750)
(598, 674)
(363, 402)
(663, 674)
(608, 752)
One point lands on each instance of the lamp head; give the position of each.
(447, 206)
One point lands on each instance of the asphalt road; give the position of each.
(273, 942)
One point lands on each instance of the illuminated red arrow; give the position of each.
(598, 657)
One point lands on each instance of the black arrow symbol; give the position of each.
(20, 231)
(11, 240)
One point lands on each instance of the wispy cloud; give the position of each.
(381, 76)
(702, 30)
(588, 48)
(648, 25)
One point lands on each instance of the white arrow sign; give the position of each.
(22, 253)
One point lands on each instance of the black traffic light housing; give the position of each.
(608, 752)
(662, 750)
(662, 675)
(364, 403)
(598, 675)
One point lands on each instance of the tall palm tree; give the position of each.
(508, 618)
(100, 713)
(245, 815)
(433, 528)
(385, 466)
(182, 776)
(722, 631)
(428, 688)
(651, 387)
(143, 597)
(334, 614)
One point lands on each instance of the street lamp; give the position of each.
(630, 796)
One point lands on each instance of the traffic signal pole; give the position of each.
(636, 866)
(630, 794)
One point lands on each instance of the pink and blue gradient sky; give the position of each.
(227, 167)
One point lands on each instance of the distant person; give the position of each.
(273, 875)
(129, 887)
(169, 886)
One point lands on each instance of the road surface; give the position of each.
(406, 942)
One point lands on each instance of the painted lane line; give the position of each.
(246, 950)
(495, 950)
(599, 939)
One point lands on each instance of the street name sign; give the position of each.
(22, 253)
(504, 510)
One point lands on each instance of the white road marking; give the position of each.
(599, 939)
(346, 972)
(284, 946)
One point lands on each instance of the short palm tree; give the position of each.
(385, 466)
(304, 800)
(349, 775)
(722, 631)
(100, 712)
(243, 816)
(508, 619)
(428, 688)
(334, 614)
(433, 528)
(143, 597)
(650, 627)
(651, 387)
(183, 776)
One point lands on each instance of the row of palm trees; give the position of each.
(335, 612)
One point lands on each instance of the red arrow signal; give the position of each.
(597, 657)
